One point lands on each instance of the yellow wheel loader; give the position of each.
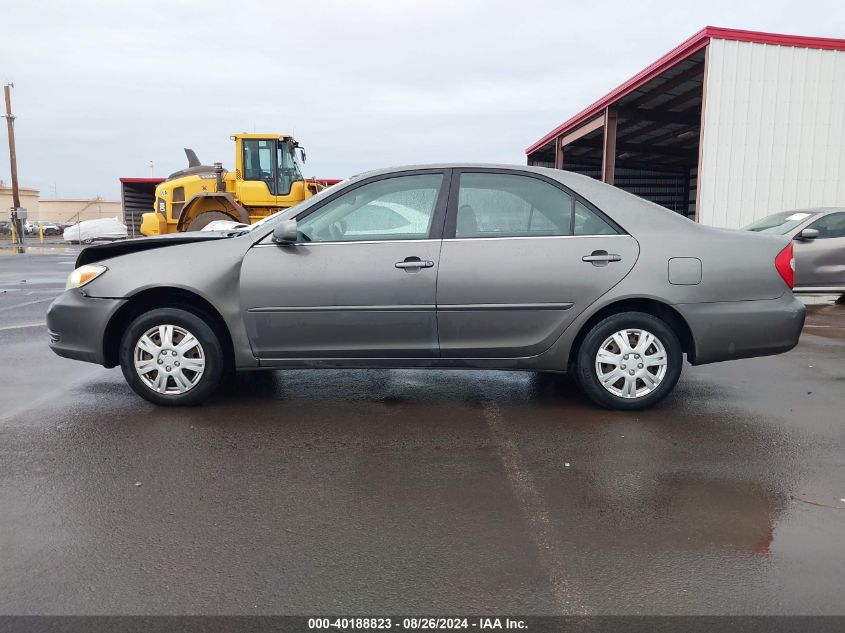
(266, 178)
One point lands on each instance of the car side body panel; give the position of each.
(340, 299)
(513, 297)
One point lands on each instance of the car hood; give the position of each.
(100, 252)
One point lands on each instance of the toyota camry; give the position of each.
(446, 266)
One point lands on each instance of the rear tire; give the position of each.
(204, 219)
(628, 361)
(172, 357)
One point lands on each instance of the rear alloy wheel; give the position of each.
(171, 357)
(629, 361)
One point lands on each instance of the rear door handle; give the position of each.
(414, 262)
(601, 258)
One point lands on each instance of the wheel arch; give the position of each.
(211, 201)
(656, 308)
(166, 297)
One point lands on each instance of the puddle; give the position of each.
(45, 249)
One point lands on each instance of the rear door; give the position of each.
(522, 256)
(360, 281)
(820, 262)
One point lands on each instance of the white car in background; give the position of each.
(47, 228)
(101, 230)
(33, 228)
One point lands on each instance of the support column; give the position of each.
(558, 153)
(700, 162)
(608, 161)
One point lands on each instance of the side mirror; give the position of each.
(285, 232)
(808, 234)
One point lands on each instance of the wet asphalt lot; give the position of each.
(378, 492)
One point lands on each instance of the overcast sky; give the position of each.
(103, 88)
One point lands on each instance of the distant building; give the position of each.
(28, 198)
(726, 128)
(58, 209)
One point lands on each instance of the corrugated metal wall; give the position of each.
(774, 131)
(671, 188)
(666, 187)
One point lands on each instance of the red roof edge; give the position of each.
(678, 54)
(154, 181)
(758, 37)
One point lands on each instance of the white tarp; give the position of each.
(224, 225)
(93, 230)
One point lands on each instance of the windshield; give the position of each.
(289, 171)
(779, 223)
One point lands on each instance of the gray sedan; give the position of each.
(447, 266)
(819, 236)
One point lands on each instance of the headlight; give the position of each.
(83, 275)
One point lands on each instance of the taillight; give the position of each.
(785, 265)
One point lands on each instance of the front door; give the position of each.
(259, 182)
(521, 258)
(360, 281)
(820, 262)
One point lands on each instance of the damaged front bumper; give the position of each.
(77, 325)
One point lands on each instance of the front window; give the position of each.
(779, 223)
(399, 208)
(288, 167)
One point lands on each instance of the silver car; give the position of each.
(447, 266)
(819, 236)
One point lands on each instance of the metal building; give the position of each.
(726, 128)
(138, 197)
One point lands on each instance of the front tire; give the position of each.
(628, 361)
(171, 357)
(204, 219)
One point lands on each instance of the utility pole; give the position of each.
(16, 198)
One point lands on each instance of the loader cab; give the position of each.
(268, 169)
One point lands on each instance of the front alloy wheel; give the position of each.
(169, 359)
(172, 356)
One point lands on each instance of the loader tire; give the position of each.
(206, 218)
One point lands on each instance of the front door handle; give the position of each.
(413, 263)
(601, 258)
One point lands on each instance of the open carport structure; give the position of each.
(138, 197)
(726, 128)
